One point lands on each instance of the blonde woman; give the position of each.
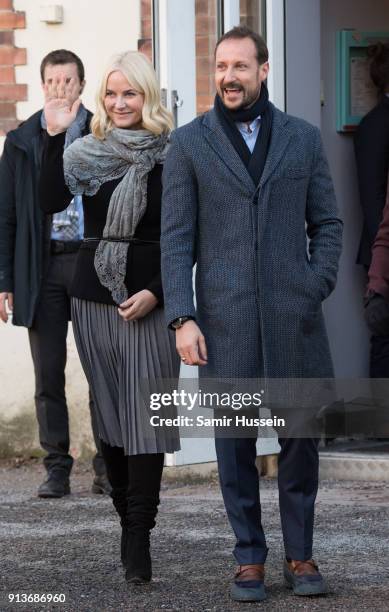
(117, 296)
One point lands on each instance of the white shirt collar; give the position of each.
(244, 124)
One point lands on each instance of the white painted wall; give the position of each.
(93, 30)
(275, 17)
(17, 393)
(302, 59)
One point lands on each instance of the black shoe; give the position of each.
(56, 485)
(137, 559)
(101, 485)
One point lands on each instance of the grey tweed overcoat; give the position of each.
(259, 289)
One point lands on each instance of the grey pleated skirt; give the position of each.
(119, 358)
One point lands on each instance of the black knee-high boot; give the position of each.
(144, 475)
(117, 472)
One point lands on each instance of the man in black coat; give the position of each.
(37, 257)
(372, 156)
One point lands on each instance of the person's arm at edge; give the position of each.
(371, 154)
(379, 267)
(7, 228)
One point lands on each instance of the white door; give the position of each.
(185, 33)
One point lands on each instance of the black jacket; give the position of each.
(143, 265)
(24, 228)
(372, 155)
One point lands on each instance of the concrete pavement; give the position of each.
(71, 547)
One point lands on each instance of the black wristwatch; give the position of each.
(179, 322)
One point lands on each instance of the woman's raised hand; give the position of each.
(61, 104)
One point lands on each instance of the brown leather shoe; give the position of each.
(248, 583)
(255, 571)
(303, 568)
(304, 578)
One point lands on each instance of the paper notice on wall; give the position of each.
(363, 94)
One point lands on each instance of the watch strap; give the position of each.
(179, 322)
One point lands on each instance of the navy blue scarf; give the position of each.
(255, 161)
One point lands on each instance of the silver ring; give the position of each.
(183, 359)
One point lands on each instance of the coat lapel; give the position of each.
(221, 144)
(279, 140)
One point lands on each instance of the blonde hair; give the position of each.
(141, 75)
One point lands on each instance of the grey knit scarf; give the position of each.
(88, 163)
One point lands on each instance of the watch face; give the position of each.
(179, 322)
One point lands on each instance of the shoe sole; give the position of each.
(246, 594)
(304, 590)
(138, 580)
(53, 496)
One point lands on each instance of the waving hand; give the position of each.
(60, 108)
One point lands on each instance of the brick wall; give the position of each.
(206, 37)
(10, 56)
(145, 43)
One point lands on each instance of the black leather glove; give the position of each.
(377, 315)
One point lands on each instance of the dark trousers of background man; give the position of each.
(48, 348)
(379, 357)
(379, 353)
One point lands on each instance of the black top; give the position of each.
(372, 155)
(144, 258)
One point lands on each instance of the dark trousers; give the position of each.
(379, 357)
(379, 353)
(136, 482)
(298, 467)
(48, 349)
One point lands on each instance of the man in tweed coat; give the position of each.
(243, 187)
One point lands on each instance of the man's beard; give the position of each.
(249, 96)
